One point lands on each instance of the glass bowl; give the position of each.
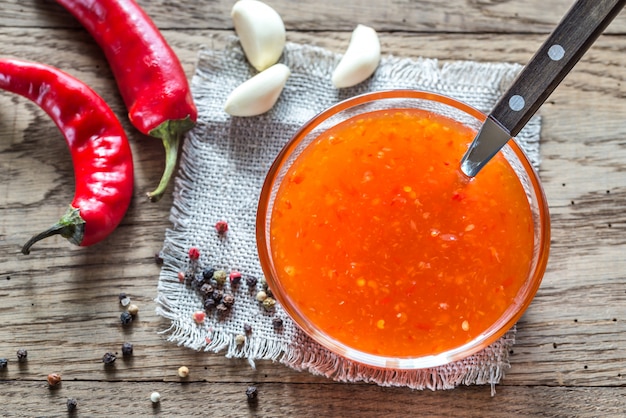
(443, 332)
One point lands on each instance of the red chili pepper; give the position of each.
(103, 164)
(149, 75)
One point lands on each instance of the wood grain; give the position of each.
(61, 302)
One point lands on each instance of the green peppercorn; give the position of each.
(22, 355)
(126, 318)
(71, 404)
(109, 358)
(127, 349)
(220, 277)
(269, 303)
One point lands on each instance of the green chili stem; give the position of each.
(170, 133)
(70, 226)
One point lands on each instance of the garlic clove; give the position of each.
(258, 94)
(261, 32)
(360, 59)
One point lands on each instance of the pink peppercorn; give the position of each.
(221, 227)
(199, 317)
(235, 277)
(181, 276)
(194, 253)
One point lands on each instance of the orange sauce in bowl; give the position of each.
(382, 244)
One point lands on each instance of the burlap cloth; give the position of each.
(222, 168)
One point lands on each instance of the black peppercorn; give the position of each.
(277, 323)
(207, 274)
(251, 282)
(71, 404)
(228, 300)
(22, 355)
(127, 349)
(247, 328)
(252, 393)
(123, 296)
(109, 358)
(3, 363)
(221, 308)
(198, 281)
(209, 304)
(158, 259)
(206, 290)
(126, 318)
(217, 295)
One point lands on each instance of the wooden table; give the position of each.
(61, 302)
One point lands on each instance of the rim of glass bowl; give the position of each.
(390, 99)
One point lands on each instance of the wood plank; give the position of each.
(287, 400)
(453, 16)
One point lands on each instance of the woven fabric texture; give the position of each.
(223, 165)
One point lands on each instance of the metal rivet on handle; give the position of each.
(516, 102)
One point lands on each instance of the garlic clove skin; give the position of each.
(360, 59)
(258, 94)
(261, 32)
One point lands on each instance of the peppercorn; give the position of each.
(240, 339)
(206, 290)
(269, 303)
(194, 253)
(247, 328)
(199, 317)
(198, 281)
(209, 304)
(54, 379)
(158, 259)
(228, 300)
(221, 308)
(181, 276)
(127, 349)
(22, 355)
(109, 358)
(217, 295)
(207, 274)
(155, 397)
(261, 296)
(71, 404)
(126, 318)
(3, 363)
(183, 371)
(220, 277)
(122, 296)
(252, 393)
(235, 278)
(133, 309)
(277, 323)
(251, 282)
(221, 227)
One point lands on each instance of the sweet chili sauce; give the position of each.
(382, 243)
